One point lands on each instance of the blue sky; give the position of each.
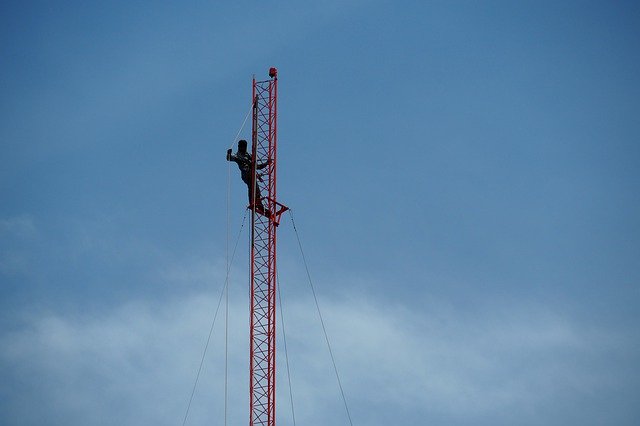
(464, 177)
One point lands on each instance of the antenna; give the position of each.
(265, 217)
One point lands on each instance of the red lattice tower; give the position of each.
(264, 223)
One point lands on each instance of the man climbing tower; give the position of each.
(243, 159)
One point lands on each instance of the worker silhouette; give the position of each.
(244, 160)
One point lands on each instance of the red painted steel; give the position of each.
(263, 254)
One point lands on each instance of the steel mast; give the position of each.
(262, 346)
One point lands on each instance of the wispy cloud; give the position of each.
(498, 365)
(136, 364)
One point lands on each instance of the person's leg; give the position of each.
(259, 207)
(258, 204)
(250, 194)
(247, 181)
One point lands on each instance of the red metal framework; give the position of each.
(264, 223)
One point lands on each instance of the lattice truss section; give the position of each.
(263, 257)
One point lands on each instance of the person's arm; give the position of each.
(230, 156)
(263, 165)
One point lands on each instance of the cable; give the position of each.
(204, 353)
(226, 310)
(286, 353)
(324, 330)
(242, 126)
(226, 315)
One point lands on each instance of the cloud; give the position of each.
(135, 364)
(132, 365)
(442, 363)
